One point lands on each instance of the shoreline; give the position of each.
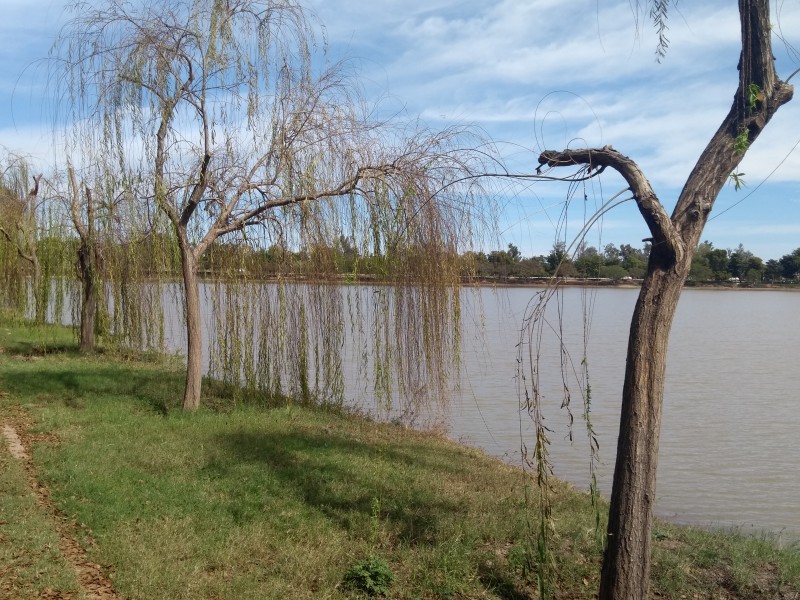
(543, 282)
(506, 281)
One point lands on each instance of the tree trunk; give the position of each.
(626, 565)
(88, 261)
(28, 241)
(39, 292)
(89, 299)
(194, 339)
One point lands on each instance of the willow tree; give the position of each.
(19, 229)
(760, 93)
(216, 113)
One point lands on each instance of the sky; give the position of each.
(532, 75)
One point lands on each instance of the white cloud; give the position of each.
(35, 142)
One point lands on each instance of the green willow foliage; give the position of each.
(39, 258)
(284, 333)
(134, 255)
(33, 249)
(12, 286)
(16, 220)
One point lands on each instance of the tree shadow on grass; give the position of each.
(33, 349)
(328, 472)
(76, 384)
(499, 581)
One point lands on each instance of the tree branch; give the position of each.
(665, 235)
(75, 204)
(35, 189)
(759, 95)
(6, 235)
(197, 192)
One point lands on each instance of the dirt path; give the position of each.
(94, 584)
(14, 443)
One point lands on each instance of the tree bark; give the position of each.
(194, 339)
(27, 250)
(89, 300)
(626, 563)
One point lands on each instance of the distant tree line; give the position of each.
(717, 264)
(625, 261)
(611, 262)
(157, 257)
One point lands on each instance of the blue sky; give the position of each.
(534, 75)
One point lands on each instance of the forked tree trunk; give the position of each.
(194, 339)
(189, 257)
(626, 563)
(87, 262)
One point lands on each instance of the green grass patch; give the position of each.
(261, 501)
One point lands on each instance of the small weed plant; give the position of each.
(737, 179)
(371, 576)
(754, 96)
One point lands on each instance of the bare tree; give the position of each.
(213, 112)
(760, 93)
(89, 257)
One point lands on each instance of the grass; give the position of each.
(30, 560)
(281, 501)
